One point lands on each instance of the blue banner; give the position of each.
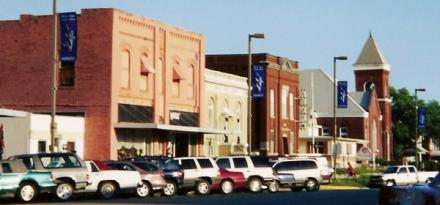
(421, 117)
(258, 80)
(68, 33)
(342, 94)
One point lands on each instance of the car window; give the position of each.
(61, 161)
(240, 162)
(223, 163)
(28, 162)
(411, 169)
(6, 167)
(403, 170)
(94, 168)
(188, 164)
(205, 163)
(171, 164)
(390, 170)
(146, 166)
(260, 161)
(280, 167)
(293, 165)
(308, 165)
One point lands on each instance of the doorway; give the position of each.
(182, 144)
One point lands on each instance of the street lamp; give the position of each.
(250, 36)
(334, 110)
(53, 124)
(417, 90)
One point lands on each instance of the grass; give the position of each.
(363, 176)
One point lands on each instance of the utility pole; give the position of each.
(53, 124)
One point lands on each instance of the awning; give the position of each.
(176, 128)
(145, 66)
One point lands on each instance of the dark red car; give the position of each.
(229, 181)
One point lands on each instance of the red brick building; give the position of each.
(274, 127)
(136, 81)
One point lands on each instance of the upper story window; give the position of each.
(272, 103)
(292, 106)
(125, 69)
(211, 113)
(238, 113)
(325, 131)
(284, 95)
(146, 70)
(178, 77)
(67, 74)
(190, 81)
(344, 132)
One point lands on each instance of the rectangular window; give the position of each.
(67, 74)
(319, 147)
(284, 95)
(344, 132)
(188, 164)
(240, 162)
(325, 131)
(223, 163)
(292, 107)
(6, 168)
(125, 69)
(143, 83)
(272, 141)
(205, 163)
(272, 103)
(292, 137)
(41, 146)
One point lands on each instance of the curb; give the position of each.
(336, 187)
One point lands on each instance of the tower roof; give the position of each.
(371, 54)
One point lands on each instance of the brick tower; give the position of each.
(371, 70)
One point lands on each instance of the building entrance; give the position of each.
(182, 145)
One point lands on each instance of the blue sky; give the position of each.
(309, 31)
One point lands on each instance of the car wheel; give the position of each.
(27, 192)
(274, 186)
(311, 185)
(170, 189)
(64, 191)
(255, 185)
(227, 187)
(203, 187)
(143, 190)
(107, 190)
(390, 183)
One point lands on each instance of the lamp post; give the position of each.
(334, 110)
(250, 36)
(417, 108)
(53, 124)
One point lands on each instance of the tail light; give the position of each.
(218, 173)
(180, 174)
(162, 174)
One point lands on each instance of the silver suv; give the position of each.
(199, 173)
(307, 173)
(68, 170)
(256, 170)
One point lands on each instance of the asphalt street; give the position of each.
(327, 197)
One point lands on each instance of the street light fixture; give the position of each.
(334, 110)
(417, 108)
(250, 36)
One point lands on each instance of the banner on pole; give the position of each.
(258, 80)
(68, 32)
(342, 94)
(421, 117)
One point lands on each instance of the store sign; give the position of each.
(68, 34)
(190, 119)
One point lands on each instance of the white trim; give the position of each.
(134, 125)
(385, 100)
(386, 67)
(363, 115)
(12, 113)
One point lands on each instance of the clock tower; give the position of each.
(372, 71)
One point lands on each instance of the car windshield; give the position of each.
(390, 170)
(169, 164)
(436, 181)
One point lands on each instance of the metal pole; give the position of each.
(53, 125)
(334, 117)
(249, 95)
(417, 118)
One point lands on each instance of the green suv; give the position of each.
(17, 181)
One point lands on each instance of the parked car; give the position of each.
(281, 180)
(401, 175)
(68, 170)
(418, 194)
(17, 181)
(200, 173)
(173, 172)
(307, 173)
(107, 182)
(151, 175)
(256, 170)
(230, 181)
(323, 165)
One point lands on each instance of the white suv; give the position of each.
(307, 172)
(256, 170)
(199, 173)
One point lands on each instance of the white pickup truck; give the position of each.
(405, 175)
(106, 181)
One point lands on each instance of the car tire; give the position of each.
(227, 186)
(255, 185)
(203, 187)
(274, 186)
(143, 190)
(311, 185)
(390, 183)
(107, 190)
(170, 189)
(27, 192)
(64, 191)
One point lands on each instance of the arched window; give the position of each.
(146, 69)
(238, 114)
(125, 69)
